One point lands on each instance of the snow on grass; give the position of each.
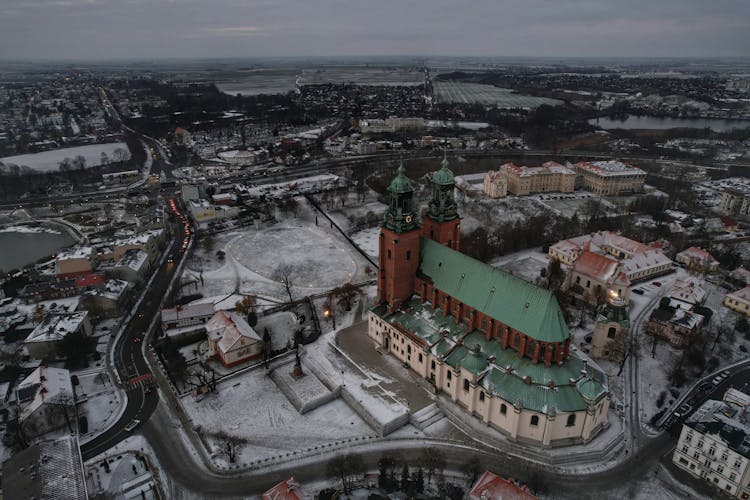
(49, 161)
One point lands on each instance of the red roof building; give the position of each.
(493, 487)
(286, 490)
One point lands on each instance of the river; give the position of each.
(661, 123)
(20, 248)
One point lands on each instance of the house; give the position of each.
(697, 259)
(43, 341)
(46, 401)
(110, 300)
(191, 314)
(287, 490)
(74, 261)
(714, 444)
(677, 326)
(49, 469)
(231, 339)
(490, 486)
(739, 301)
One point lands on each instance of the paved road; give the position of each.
(129, 361)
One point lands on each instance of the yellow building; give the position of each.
(550, 177)
(609, 178)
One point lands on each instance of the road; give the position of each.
(128, 355)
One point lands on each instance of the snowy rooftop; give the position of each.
(76, 253)
(50, 469)
(609, 168)
(550, 167)
(44, 385)
(56, 326)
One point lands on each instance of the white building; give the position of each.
(46, 401)
(714, 444)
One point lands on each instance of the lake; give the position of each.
(660, 123)
(20, 248)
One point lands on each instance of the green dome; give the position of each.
(444, 176)
(401, 183)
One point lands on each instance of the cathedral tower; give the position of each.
(442, 222)
(398, 246)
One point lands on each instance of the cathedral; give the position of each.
(496, 345)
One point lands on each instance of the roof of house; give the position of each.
(286, 490)
(201, 310)
(493, 487)
(513, 301)
(228, 329)
(56, 326)
(49, 469)
(44, 386)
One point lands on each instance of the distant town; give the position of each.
(421, 278)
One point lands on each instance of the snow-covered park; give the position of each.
(49, 161)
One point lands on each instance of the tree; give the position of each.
(433, 461)
(229, 444)
(346, 294)
(283, 274)
(75, 347)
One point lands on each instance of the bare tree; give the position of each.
(229, 444)
(283, 274)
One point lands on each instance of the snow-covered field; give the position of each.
(49, 161)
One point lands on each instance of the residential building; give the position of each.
(188, 315)
(490, 486)
(736, 200)
(550, 177)
(43, 341)
(609, 178)
(46, 401)
(74, 261)
(231, 339)
(289, 489)
(494, 345)
(714, 444)
(678, 326)
(697, 259)
(49, 469)
(739, 301)
(495, 184)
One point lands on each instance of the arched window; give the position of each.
(534, 420)
(571, 420)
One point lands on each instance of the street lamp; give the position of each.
(328, 313)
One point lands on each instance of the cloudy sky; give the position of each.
(83, 29)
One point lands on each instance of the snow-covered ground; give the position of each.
(49, 161)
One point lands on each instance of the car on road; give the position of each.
(638, 291)
(132, 425)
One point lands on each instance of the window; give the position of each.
(466, 384)
(571, 421)
(534, 420)
(503, 409)
(481, 395)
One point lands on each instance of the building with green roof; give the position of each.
(493, 343)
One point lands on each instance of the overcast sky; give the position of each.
(83, 29)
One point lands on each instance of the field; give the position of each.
(458, 92)
(49, 161)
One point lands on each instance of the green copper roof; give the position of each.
(527, 308)
(444, 176)
(400, 183)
